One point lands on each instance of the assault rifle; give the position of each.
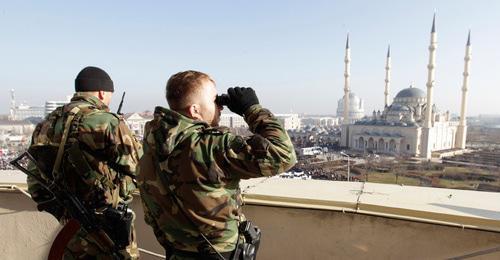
(119, 111)
(81, 217)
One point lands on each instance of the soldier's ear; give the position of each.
(100, 94)
(194, 112)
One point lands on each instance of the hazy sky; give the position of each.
(291, 52)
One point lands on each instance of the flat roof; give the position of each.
(463, 208)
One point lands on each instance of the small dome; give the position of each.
(411, 93)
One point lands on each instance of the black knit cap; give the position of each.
(93, 79)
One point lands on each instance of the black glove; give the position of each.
(241, 99)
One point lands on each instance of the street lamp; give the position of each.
(348, 166)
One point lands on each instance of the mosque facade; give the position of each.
(410, 125)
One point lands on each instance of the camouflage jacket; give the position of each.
(203, 166)
(109, 151)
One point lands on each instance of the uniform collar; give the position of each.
(175, 118)
(90, 99)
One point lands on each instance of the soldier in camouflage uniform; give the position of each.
(186, 152)
(107, 157)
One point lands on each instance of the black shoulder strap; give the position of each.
(64, 138)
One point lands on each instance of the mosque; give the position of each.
(411, 125)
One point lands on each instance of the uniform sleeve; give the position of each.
(266, 153)
(111, 143)
(128, 150)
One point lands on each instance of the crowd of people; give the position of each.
(5, 161)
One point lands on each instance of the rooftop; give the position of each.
(473, 209)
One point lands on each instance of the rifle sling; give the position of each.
(64, 138)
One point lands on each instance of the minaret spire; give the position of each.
(430, 74)
(428, 123)
(347, 42)
(344, 140)
(347, 72)
(387, 76)
(462, 125)
(433, 30)
(468, 39)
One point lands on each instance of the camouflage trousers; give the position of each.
(82, 246)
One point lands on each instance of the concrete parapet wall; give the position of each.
(288, 233)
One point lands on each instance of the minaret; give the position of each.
(430, 85)
(462, 125)
(347, 72)
(387, 77)
(12, 105)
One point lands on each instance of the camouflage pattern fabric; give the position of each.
(204, 166)
(108, 155)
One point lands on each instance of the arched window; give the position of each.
(381, 146)
(371, 144)
(392, 145)
(361, 143)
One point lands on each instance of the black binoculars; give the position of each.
(222, 100)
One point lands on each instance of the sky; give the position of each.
(290, 52)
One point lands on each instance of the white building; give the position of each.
(410, 126)
(232, 121)
(136, 123)
(289, 121)
(319, 120)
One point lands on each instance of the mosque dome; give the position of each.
(412, 97)
(411, 93)
(356, 107)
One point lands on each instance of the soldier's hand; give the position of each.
(241, 99)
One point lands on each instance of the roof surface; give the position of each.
(472, 209)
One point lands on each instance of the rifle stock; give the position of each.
(62, 239)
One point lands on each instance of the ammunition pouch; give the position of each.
(118, 224)
(248, 249)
